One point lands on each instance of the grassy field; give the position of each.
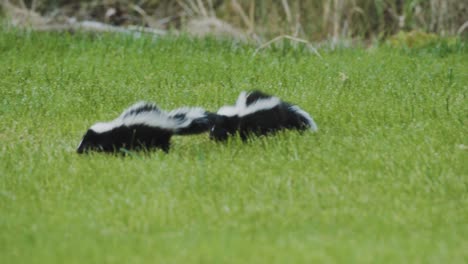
(385, 180)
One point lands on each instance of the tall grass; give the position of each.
(312, 20)
(356, 18)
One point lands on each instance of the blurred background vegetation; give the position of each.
(260, 20)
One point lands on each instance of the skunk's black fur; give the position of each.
(257, 113)
(144, 126)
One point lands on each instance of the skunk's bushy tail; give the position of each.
(192, 120)
(181, 121)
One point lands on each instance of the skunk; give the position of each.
(143, 126)
(257, 113)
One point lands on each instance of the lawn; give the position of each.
(385, 179)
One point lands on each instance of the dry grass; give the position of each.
(262, 20)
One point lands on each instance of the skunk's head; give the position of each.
(110, 140)
(224, 126)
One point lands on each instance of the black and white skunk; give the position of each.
(257, 113)
(144, 126)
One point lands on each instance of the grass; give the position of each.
(384, 181)
(266, 19)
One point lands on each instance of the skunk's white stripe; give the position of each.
(142, 104)
(259, 105)
(241, 104)
(102, 127)
(189, 112)
(241, 108)
(310, 120)
(242, 100)
(228, 111)
(152, 117)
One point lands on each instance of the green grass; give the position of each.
(384, 180)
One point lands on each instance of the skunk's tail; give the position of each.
(192, 120)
